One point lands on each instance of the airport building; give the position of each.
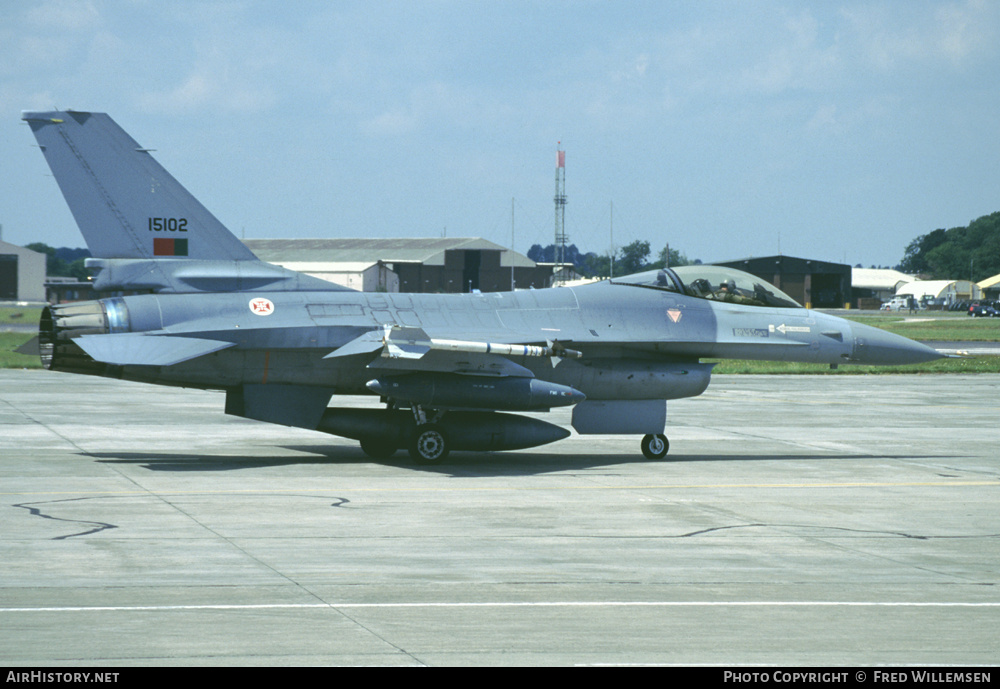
(870, 287)
(435, 265)
(814, 284)
(990, 287)
(940, 292)
(61, 290)
(22, 274)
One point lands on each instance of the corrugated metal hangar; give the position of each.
(814, 284)
(445, 264)
(22, 274)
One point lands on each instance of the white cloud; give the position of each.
(642, 64)
(951, 34)
(963, 30)
(66, 15)
(206, 88)
(389, 124)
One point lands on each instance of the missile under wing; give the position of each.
(450, 368)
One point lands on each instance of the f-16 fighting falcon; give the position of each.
(206, 313)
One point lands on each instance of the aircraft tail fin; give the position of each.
(126, 204)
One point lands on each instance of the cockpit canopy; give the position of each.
(717, 283)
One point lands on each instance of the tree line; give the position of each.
(961, 253)
(62, 262)
(631, 258)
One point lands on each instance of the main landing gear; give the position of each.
(655, 446)
(427, 442)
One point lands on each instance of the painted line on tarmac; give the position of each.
(514, 604)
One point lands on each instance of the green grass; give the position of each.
(19, 315)
(10, 358)
(926, 325)
(948, 327)
(979, 364)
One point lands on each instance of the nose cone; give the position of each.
(880, 348)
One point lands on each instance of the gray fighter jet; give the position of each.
(282, 344)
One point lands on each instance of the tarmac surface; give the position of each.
(798, 520)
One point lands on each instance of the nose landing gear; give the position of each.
(655, 446)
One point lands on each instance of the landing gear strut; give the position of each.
(655, 446)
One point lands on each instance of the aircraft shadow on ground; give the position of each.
(458, 464)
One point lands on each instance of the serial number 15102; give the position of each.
(168, 224)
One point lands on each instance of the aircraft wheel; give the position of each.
(378, 448)
(655, 446)
(429, 444)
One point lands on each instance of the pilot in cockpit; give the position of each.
(727, 292)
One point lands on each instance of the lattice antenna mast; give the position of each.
(560, 199)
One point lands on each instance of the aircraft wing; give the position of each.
(402, 348)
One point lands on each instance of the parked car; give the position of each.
(984, 309)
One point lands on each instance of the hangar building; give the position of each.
(22, 274)
(445, 264)
(940, 292)
(814, 284)
(991, 287)
(872, 286)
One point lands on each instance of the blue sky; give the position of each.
(833, 130)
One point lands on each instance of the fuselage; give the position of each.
(636, 342)
(281, 343)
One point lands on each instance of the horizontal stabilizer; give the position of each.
(138, 349)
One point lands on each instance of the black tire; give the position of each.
(655, 446)
(378, 448)
(429, 444)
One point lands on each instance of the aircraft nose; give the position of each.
(878, 347)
